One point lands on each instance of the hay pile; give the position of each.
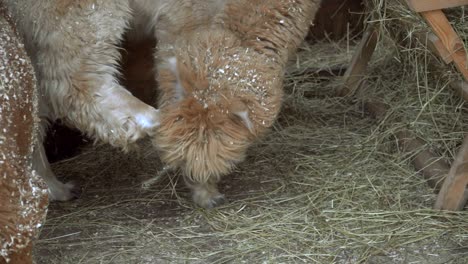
(328, 185)
(414, 81)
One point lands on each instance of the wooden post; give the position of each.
(354, 74)
(436, 45)
(452, 194)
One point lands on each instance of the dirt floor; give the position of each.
(327, 185)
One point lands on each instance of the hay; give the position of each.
(328, 185)
(415, 81)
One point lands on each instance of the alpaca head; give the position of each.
(216, 98)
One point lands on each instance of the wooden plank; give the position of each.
(444, 31)
(437, 46)
(431, 166)
(355, 72)
(452, 194)
(429, 5)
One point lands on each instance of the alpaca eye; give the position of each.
(178, 118)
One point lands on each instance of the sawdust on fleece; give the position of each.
(23, 194)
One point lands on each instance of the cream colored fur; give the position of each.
(74, 49)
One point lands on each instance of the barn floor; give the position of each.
(327, 185)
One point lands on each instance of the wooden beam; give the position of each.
(435, 45)
(429, 5)
(356, 70)
(431, 166)
(444, 31)
(452, 194)
(438, 47)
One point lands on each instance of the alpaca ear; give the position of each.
(244, 116)
(179, 89)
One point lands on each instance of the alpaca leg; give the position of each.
(57, 190)
(113, 115)
(78, 73)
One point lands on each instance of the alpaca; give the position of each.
(220, 67)
(74, 49)
(23, 194)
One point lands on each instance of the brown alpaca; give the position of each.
(212, 111)
(221, 81)
(73, 47)
(23, 194)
